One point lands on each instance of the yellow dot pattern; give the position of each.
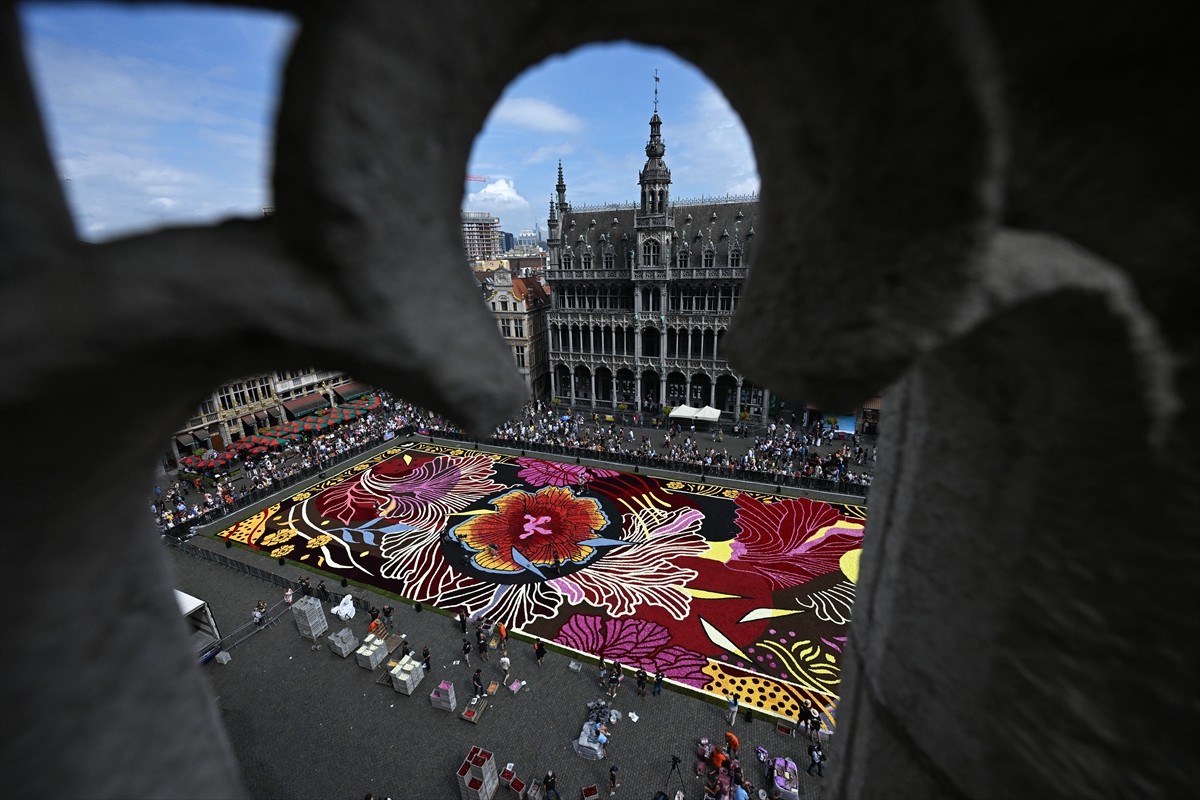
(774, 697)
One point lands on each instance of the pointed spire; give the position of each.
(561, 186)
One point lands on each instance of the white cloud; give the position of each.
(535, 115)
(548, 153)
(500, 197)
(713, 135)
(500, 194)
(165, 203)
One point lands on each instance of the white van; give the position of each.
(205, 638)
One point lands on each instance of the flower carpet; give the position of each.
(721, 589)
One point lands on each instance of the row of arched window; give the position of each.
(652, 256)
(597, 340)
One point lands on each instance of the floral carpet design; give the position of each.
(721, 589)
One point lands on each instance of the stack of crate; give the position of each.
(343, 642)
(443, 696)
(310, 617)
(407, 674)
(477, 778)
(371, 654)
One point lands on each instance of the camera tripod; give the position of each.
(675, 770)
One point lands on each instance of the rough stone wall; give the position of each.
(1004, 192)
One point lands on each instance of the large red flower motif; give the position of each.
(533, 529)
(783, 543)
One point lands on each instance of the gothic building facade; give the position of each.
(642, 295)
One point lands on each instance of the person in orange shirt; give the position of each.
(719, 759)
(731, 742)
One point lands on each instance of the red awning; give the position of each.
(349, 391)
(260, 414)
(300, 406)
(249, 420)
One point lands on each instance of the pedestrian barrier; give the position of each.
(253, 497)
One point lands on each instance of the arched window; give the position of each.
(735, 257)
(629, 259)
(683, 257)
(651, 250)
(587, 260)
(566, 259)
(709, 258)
(608, 260)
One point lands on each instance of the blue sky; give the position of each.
(164, 115)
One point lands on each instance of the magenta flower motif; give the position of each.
(636, 644)
(536, 472)
(779, 541)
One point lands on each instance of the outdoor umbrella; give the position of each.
(257, 451)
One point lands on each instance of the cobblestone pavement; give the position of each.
(305, 723)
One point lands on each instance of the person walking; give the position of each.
(483, 649)
(462, 621)
(466, 651)
(816, 757)
(733, 709)
(477, 682)
(550, 785)
(288, 596)
(539, 651)
(387, 617)
(731, 743)
(425, 657)
(614, 679)
(612, 780)
(658, 683)
(505, 665)
(641, 681)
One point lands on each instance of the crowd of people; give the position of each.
(781, 453)
(190, 496)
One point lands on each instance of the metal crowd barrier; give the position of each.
(254, 496)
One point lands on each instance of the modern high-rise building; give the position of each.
(643, 293)
(481, 235)
(530, 238)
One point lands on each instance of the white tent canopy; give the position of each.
(684, 412)
(708, 414)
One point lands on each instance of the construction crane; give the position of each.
(480, 178)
